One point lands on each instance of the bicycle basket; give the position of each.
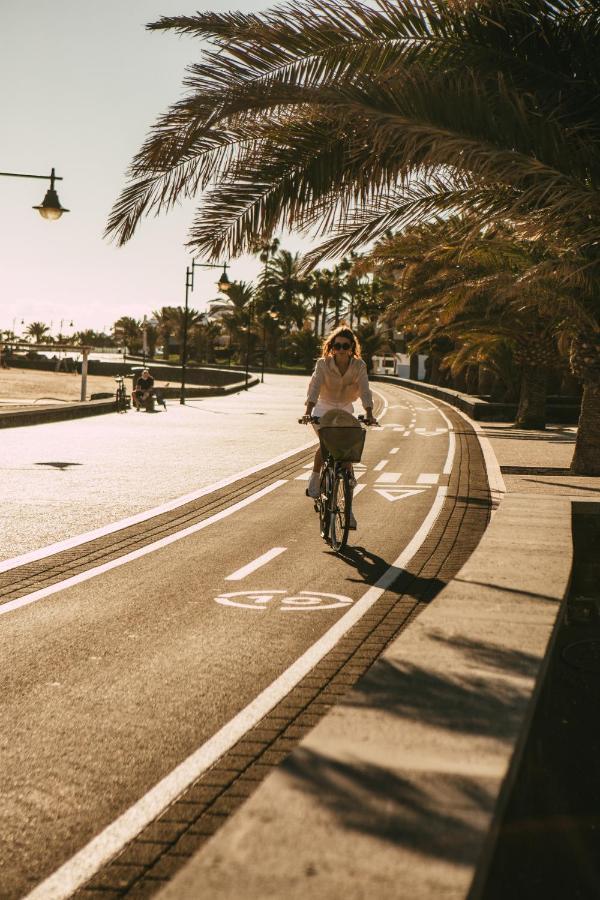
(343, 443)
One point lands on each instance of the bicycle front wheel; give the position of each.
(340, 508)
(323, 504)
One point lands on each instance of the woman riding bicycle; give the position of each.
(340, 378)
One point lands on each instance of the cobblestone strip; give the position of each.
(44, 572)
(164, 846)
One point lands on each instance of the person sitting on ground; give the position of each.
(143, 389)
(340, 377)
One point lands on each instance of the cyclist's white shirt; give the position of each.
(328, 386)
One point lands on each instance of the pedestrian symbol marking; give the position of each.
(398, 493)
(303, 601)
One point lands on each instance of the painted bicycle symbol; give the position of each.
(303, 601)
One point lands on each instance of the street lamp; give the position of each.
(223, 284)
(50, 207)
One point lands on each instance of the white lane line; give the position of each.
(136, 554)
(389, 478)
(451, 445)
(400, 429)
(358, 475)
(394, 450)
(447, 470)
(358, 489)
(80, 868)
(428, 478)
(87, 536)
(305, 476)
(256, 564)
(386, 405)
(380, 465)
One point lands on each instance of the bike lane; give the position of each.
(116, 681)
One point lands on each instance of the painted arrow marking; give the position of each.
(392, 494)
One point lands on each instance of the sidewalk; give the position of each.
(65, 479)
(400, 790)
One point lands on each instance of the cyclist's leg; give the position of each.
(315, 476)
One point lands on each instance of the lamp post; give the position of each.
(249, 326)
(223, 285)
(50, 207)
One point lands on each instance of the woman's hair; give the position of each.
(342, 332)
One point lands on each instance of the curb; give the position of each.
(41, 415)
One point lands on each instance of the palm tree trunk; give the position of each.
(413, 363)
(532, 399)
(324, 319)
(485, 378)
(586, 459)
(472, 379)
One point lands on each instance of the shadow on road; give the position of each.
(370, 567)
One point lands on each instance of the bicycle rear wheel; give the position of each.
(339, 511)
(121, 402)
(323, 504)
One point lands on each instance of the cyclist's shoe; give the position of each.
(314, 485)
(353, 524)
(352, 482)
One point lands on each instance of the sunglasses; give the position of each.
(338, 346)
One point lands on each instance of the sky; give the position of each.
(82, 83)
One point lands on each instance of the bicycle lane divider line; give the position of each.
(105, 846)
(256, 564)
(447, 470)
(168, 506)
(28, 599)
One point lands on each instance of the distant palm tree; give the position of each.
(179, 322)
(128, 331)
(237, 314)
(38, 331)
(165, 325)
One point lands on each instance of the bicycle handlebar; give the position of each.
(315, 420)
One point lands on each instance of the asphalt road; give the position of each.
(113, 682)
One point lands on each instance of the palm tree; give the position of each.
(303, 347)
(283, 286)
(488, 108)
(128, 331)
(495, 285)
(236, 313)
(164, 318)
(183, 322)
(38, 331)
(204, 334)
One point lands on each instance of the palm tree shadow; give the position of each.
(441, 814)
(435, 814)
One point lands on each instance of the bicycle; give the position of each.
(334, 503)
(121, 399)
